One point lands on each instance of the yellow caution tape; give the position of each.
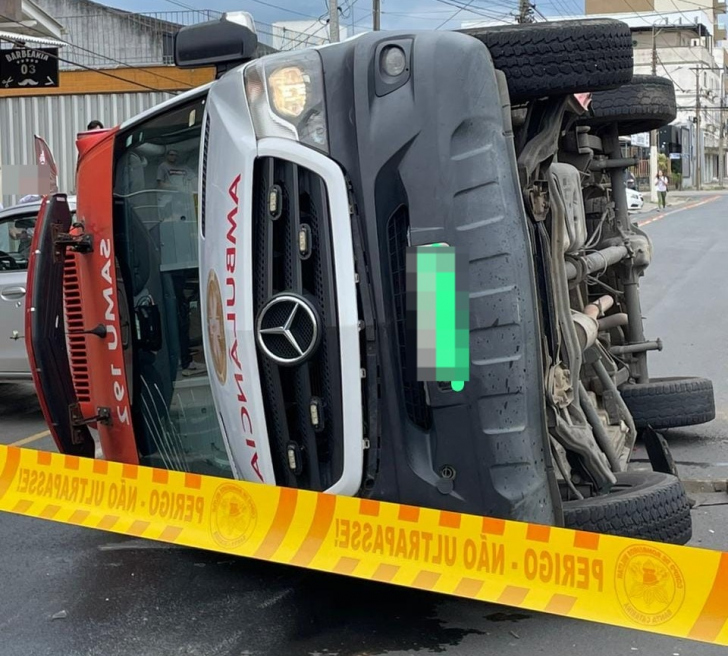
(678, 591)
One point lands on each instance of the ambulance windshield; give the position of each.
(155, 223)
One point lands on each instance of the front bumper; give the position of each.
(433, 161)
(45, 330)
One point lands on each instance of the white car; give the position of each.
(635, 200)
(16, 230)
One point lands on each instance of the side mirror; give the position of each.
(229, 41)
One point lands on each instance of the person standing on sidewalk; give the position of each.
(661, 184)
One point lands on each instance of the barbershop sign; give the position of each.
(28, 68)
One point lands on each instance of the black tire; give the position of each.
(644, 504)
(646, 103)
(670, 402)
(558, 58)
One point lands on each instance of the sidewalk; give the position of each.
(694, 193)
(674, 199)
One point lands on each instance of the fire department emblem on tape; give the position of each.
(216, 327)
(233, 516)
(649, 585)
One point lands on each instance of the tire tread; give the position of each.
(658, 510)
(646, 103)
(558, 58)
(670, 403)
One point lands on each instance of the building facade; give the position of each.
(686, 44)
(683, 40)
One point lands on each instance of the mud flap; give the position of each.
(658, 451)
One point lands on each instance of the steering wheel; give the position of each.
(7, 262)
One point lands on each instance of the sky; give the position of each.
(396, 14)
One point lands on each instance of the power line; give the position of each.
(457, 11)
(361, 19)
(659, 61)
(471, 10)
(690, 2)
(493, 5)
(576, 10)
(348, 8)
(436, 13)
(424, 18)
(178, 3)
(91, 52)
(560, 7)
(268, 4)
(646, 16)
(96, 70)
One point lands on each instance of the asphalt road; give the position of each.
(136, 598)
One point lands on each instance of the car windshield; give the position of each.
(155, 224)
(16, 233)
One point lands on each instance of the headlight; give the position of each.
(286, 97)
(288, 90)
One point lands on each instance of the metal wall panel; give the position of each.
(58, 119)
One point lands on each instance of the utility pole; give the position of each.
(698, 166)
(377, 14)
(698, 121)
(333, 21)
(654, 160)
(721, 132)
(525, 12)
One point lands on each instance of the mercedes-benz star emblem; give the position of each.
(288, 329)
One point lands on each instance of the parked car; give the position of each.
(17, 224)
(316, 170)
(635, 200)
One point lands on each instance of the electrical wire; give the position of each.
(424, 18)
(479, 11)
(177, 3)
(363, 18)
(673, 48)
(268, 4)
(301, 41)
(680, 10)
(659, 61)
(647, 16)
(90, 52)
(490, 5)
(102, 72)
(435, 13)
(452, 16)
(466, 6)
(292, 36)
(348, 9)
(562, 5)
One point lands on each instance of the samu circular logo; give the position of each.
(649, 585)
(233, 516)
(216, 327)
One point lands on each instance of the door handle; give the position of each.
(12, 293)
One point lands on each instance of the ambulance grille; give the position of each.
(299, 200)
